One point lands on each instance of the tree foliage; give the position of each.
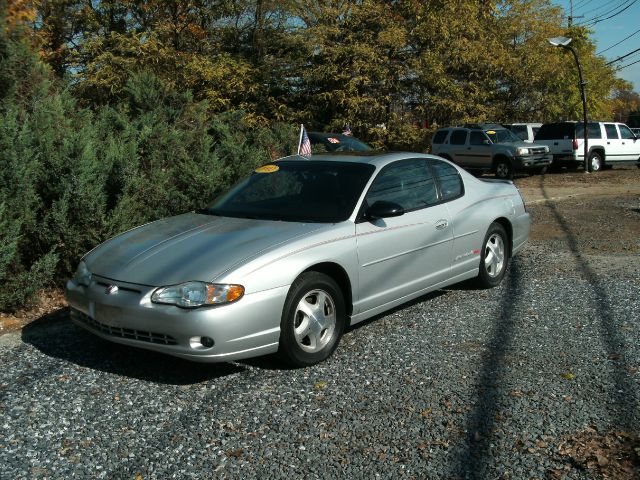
(118, 112)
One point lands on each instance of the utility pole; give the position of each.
(571, 17)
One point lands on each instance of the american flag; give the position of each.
(347, 131)
(304, 147)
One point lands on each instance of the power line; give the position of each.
(627, 65)
(601, 6)
(623, 56)
(616, 44)
(601, 18)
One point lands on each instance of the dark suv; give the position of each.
(490, 148)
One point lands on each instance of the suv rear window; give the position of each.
(554, 131)
(439, 136)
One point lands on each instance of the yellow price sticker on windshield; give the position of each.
(267, 169)
(491, 132)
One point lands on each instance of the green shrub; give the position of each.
(72, 177)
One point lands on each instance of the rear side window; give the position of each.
(451, 185)
(477, 137)
(458, 137)
(611, 130)
(439, 136)
(594, 130)
(408, 183)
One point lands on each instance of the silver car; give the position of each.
(294, 253)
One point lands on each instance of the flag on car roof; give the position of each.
(347, 131)
(304, 144)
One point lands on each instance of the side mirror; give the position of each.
(384, 209)
(486, 142)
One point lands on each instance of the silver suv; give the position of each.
(490, 148)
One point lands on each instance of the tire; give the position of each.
(313, 320)
(504, 170)
(595, 162)
(494, 257)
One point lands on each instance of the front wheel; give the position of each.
(504, 170)
(494, 256)
(595, 162)
(313, 320)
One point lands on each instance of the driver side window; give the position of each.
(408, 183)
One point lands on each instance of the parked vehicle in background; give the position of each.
(526, 131)
(336, 142)
(489, 148)
(609, 143)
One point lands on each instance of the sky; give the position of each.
(609, 31)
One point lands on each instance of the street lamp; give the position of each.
(563, 42)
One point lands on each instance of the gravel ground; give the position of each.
(537, 378)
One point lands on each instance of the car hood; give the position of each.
(188, 247)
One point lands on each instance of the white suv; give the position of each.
(526, 131)
(609, 143)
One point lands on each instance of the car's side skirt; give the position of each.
(387, 306)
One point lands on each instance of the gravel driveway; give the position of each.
(535, 379)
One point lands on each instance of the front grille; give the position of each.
(537, 150)
(141, 335)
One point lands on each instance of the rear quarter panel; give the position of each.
(483, 203)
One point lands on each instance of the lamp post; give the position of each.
(563, 42)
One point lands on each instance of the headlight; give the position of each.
(522, 151)
(82, 275)
(197, 294)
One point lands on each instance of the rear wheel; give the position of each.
(313, 320)
(595, 162)
(504, 170)
(494, 256)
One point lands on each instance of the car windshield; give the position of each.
(331, 142)
(502, 136)
(296, 191)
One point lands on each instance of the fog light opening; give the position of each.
(201, 343)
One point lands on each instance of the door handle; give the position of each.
(555, 143)
(441, 224)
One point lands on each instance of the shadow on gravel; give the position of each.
(480, 422)
(55, 336)
(409, 304)
(623, 394)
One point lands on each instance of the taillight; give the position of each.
(575, 143)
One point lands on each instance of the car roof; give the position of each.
(476, 126)
(376, 158)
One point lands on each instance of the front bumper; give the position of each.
(533, 161)
(247, 328)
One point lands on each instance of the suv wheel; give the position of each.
(504, 169)
(595, 162)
